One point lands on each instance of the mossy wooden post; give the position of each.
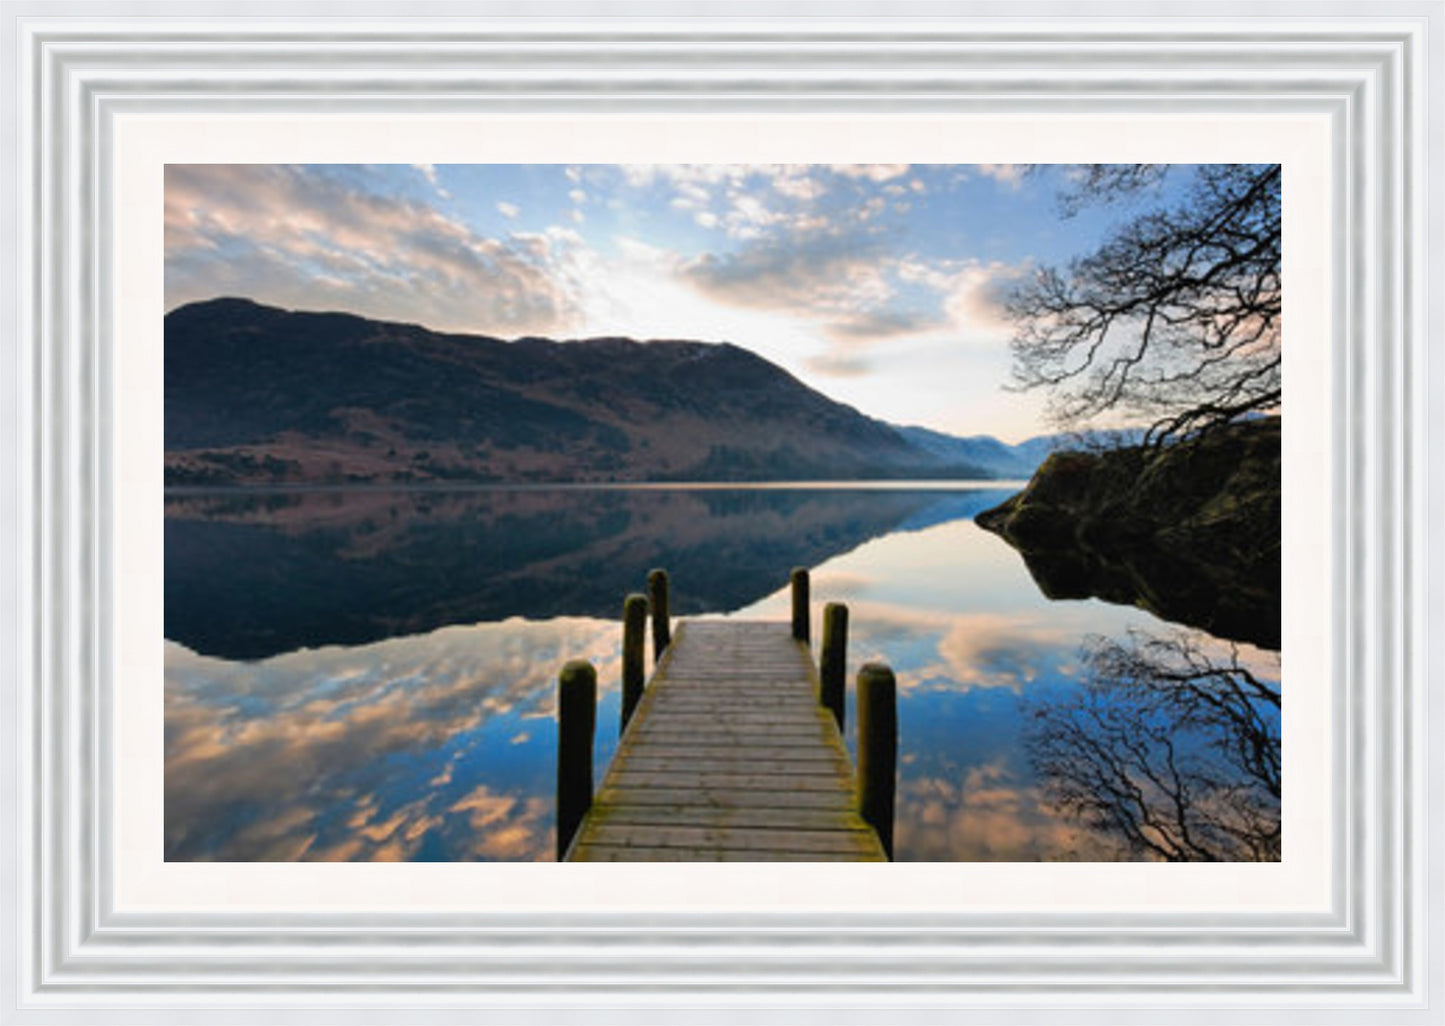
(833, 660)
(576, 724)
(877, 749)
(800, 604)
(661, 622)
(634, 631)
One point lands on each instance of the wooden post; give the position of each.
(833, 660)
(800, 604)
(877, 749)
(576, 723)
(661, 622)
(634, 630)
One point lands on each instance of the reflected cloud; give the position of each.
(394, 751)
(938, 650)
(440, 745)
(984, 818)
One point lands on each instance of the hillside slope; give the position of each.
(258, 395)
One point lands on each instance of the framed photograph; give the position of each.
(367, 358)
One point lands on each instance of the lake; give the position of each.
(369, 674)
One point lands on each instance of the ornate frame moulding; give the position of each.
(78, 946)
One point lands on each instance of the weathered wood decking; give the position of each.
(729, 757)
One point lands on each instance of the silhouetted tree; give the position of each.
(1174, 752)
(1174, 319)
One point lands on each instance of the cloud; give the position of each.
(870, 172)
(976, 296)
(832, 265)
(972, 293)
(839, 282)
(1008, 175)
(874, 325)
(305, 238)
(746, 200)
(800, 187)
(832, 363)
(855, 291)
(508, 210)
(429, 172)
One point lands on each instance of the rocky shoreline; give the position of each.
(1189, 531)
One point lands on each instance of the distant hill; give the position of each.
(999, 459)
(259, 395)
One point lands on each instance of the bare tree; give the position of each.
(1174, 752)
(1175, 319)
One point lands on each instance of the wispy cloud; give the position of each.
(843, 284)
(302, 237)
(837, 363)
(841, 273)
(972, 292)
(429, 172)
(871, 172)
(1008, 175)
(858, 293)
(744, 200)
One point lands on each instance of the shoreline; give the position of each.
(888, 484)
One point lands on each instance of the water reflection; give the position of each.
(1181, 587)
(433, 747)
(1170, 747)
(421, 741)
(250, 576)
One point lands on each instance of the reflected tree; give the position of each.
(1171, 749)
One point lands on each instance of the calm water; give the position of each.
(369, 674)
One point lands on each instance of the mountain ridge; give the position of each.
(258, 395)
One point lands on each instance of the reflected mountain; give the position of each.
(251, 575)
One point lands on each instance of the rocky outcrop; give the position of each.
(1190, 531)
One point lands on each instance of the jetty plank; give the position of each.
(725, 798)
(729, 757)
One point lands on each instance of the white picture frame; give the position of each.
(1368, 73)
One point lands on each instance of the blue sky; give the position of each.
(876, 284)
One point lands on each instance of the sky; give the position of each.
(876, 284)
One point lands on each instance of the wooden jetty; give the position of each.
(732, 751)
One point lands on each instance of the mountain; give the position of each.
(259, 395)
(999, 459)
